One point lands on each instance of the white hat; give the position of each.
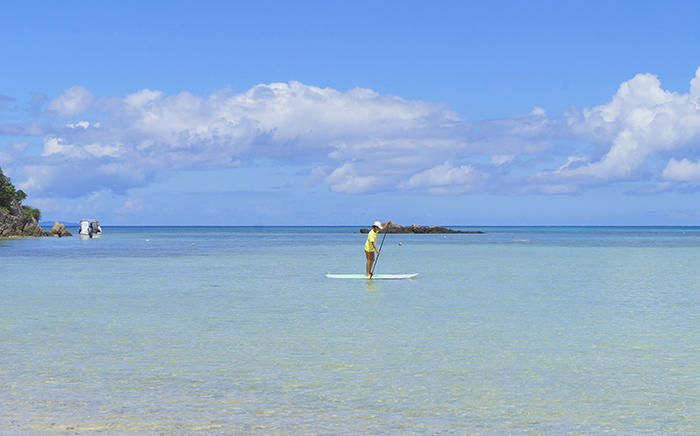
(378, 224)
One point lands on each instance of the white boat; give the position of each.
(90, 229)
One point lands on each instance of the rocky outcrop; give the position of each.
(59, 230)
(32, 228)
(16, 224)
(415, 228)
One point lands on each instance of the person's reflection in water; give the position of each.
(370, 285)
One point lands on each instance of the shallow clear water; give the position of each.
(236, 330)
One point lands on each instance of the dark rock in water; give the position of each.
(415, 228)
(31, 228)
(59, 230)
(56, 228)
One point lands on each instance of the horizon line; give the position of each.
(363, 226)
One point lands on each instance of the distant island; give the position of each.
(18, 221)
(415, 228)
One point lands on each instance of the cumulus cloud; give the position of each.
(360, 140)
(346, 179)
(642, 121)
(73, 101)
(682, 171)
(446, 178)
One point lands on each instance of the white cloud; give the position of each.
(695, 85)
(317, 175)
(81, 124)
(73, 101)
(641, 121)
(442, 175)
(53, 145)
(362, 140)
(346, 180)
(682, 171)
(571, 163)
(142, 98)
(99, 150)
(445, 179)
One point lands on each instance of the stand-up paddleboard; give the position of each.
(374, 277)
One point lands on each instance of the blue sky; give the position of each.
(332, 113)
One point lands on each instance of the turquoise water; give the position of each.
(236, 330)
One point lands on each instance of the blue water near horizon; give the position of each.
(521, 330)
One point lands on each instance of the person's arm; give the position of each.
(386, 225)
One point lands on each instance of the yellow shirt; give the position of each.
(371, 241)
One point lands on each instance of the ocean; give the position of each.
(230, 330)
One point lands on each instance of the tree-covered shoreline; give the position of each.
(8, 192)
(16, 220)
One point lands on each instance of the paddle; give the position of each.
(380, 249)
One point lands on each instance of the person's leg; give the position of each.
(370, 261)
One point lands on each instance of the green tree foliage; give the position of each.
(8, 193)
(32, 212)
(20, 195)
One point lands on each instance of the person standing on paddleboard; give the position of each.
(371, 244)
